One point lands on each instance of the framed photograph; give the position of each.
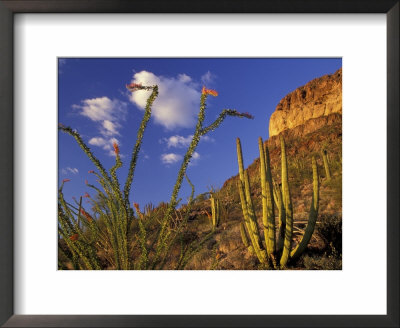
(199, 164)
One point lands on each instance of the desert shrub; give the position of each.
(332, 261)
(201, 197)
(330, 229)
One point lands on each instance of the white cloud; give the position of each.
(143, 155)
(61, 64)
(68, 169)
(112, 153)
(184, 78)
(97, 141)
(110, 128)
(107, 114)
(178, 141)
(207, 139)
(106, 144)
(208, 78)
(112, 140)
(178, 101)
(101, 109)
(170, 158)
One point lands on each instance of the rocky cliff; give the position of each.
(318, 98)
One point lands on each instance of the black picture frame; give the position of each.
(10, 7)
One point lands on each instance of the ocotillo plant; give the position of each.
(113, 234)
(272, 191)
(162, 247)
(114, 208)
(215, 210)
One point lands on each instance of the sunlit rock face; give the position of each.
(318, 98)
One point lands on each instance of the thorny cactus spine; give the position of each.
(283, 201)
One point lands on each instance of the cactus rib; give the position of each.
(312, 218)
(287, 203)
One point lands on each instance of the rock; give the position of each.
(308, 127)
(318, 98)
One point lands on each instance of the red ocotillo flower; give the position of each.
(86, 195)
(206, 91)
(133, 86)
(91, 171)
(86, 215)
(74, 237)
(86, 182)
(116, 148)
(66, 180)
(136, 207)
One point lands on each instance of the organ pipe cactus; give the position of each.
(287, 203)
(247, 208)
(326, 165)
(267, 200)
(312, 218)
(215, 211)
(245, 238)
(270, 192)
(281, 216)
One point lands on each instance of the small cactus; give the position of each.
(215, 211)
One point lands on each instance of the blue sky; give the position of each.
(92, 99)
